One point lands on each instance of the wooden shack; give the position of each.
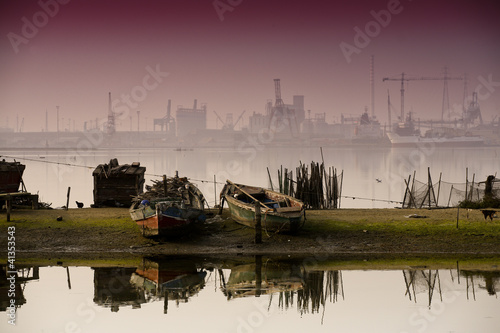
(115, 185)
(11, 176)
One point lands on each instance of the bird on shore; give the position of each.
(79, 204)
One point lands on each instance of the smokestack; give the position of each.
(110, 112)
(195, 103)
(46, 121)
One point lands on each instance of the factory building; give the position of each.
(191, 121)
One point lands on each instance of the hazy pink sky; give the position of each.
(82, 50)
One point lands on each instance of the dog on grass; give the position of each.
(489, 213)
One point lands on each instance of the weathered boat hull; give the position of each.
(170, 222)
(281, 219)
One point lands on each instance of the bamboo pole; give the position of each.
(270, 180)
(407, 191)
(471, 192)
(466, 182)
(439, 189)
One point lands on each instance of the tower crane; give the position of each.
(280, 111)
(110, 125)
(404, 78)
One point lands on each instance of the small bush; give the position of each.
(485, 203)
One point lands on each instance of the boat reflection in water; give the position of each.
(308, 289)
(171, 280)
(13, 283)
(291, 283)
(153, 280)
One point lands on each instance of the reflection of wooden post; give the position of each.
(8, 203)
(165, 302)
(258, 275)
(69, 280)
(258, 225)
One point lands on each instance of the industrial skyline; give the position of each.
(70, 55)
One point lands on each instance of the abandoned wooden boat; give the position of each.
(279, 212)
(11, 176)
(168, 209)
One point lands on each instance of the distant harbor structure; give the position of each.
(191, 121)
(281, 123)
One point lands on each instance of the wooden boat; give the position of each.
(11, 176)
(279, 212)
(171, 215)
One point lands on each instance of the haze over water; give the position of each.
(361, 167)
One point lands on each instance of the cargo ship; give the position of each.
(406, 135)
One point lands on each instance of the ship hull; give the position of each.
(417, 141)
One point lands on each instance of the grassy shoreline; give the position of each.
(350, 233)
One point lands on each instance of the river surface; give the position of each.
(50, 173)
(260, 294)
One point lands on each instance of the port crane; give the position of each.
(405, 78)
(280, 111)
(167, 121)
(110, 125)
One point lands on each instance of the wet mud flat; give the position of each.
(392, 233)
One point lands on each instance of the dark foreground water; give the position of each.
(255, 294)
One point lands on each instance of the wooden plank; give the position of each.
(288, 209)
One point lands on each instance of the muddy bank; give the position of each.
(105, 232)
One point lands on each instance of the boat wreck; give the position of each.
(169, 208)
(280, 212)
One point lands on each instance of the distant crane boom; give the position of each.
(404, 78)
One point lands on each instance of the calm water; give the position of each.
(50, 173)
(259, 294)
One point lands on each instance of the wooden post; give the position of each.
(67, 198)
(215, 191)
(34, 201)
(258, 224)
(8, 203)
